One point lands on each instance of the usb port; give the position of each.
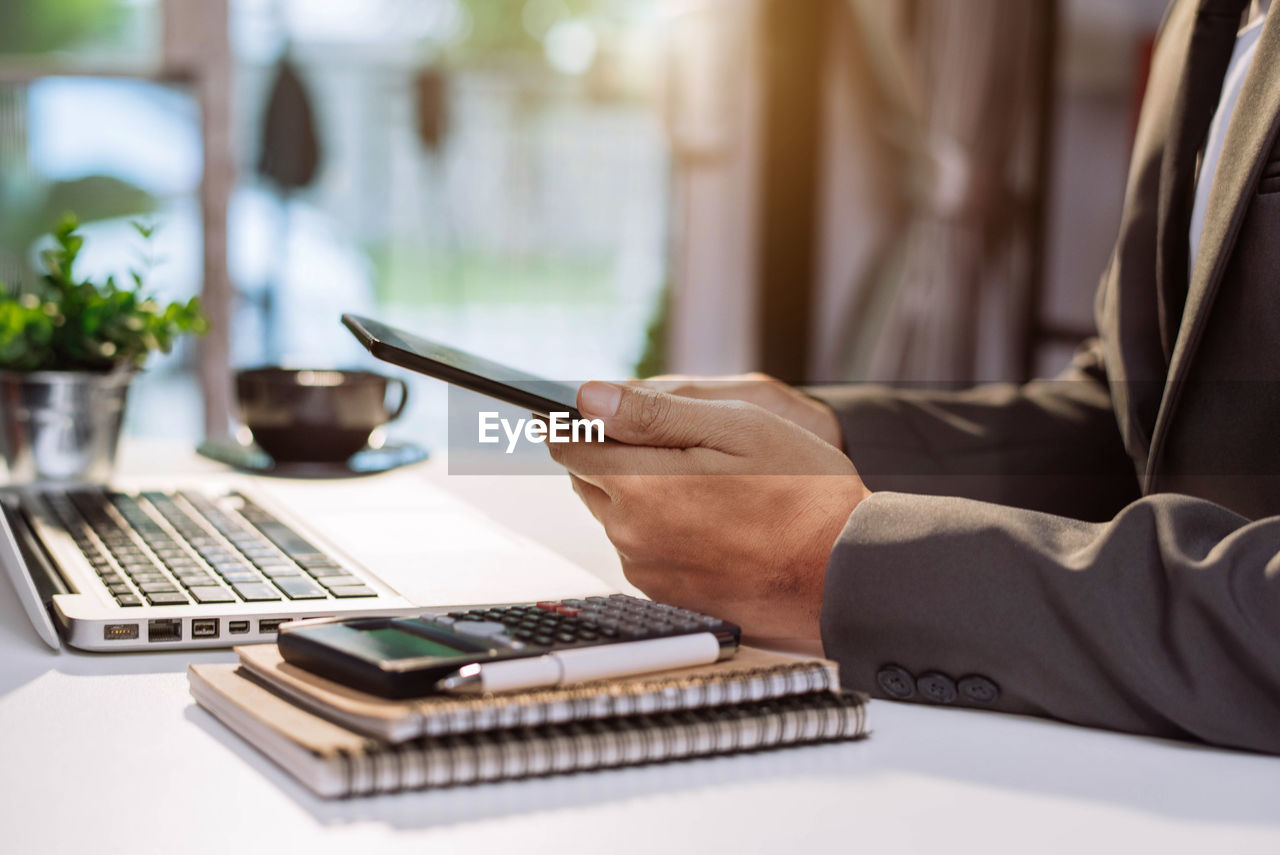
(164, 629)
(204, 628)
(120, 632)
(237, 627)
(270, 624)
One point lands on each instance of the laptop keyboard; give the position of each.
(170, 549)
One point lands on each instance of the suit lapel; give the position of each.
(1248, 140)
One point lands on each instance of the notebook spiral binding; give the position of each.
(536, 750)
(495, 712)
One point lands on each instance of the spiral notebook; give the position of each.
(751, 675)
(334, 761)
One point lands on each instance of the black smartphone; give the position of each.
(511, 385)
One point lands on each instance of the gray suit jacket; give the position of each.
(1103, 548)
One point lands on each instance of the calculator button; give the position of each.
(543, 640)
(479, 629)
(568, 611)
(548, 606)
(566, 637)
(443, 620)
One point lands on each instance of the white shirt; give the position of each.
(1241, 58)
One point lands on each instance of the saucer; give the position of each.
(251, 458)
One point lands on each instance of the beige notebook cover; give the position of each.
(751, 675)
(335, 762)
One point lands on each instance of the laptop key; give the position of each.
(344, 581)
(157, 587)
(119, 588)
(300, 588)
(276, 571)
(351, 591)
(167, 598)
(242, 576)
(149, 578)
(128, 600)
(212, 594)
(257, 591)
(320, 571)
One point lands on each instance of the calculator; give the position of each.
(407, 656)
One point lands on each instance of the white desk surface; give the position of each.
(99, 754)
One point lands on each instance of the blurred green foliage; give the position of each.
(653, 361)
(497, 26)
(40, 26)
(65, 324)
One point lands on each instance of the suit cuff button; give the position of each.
(937, 687)
(896, 682)
(978, 689)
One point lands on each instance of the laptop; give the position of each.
(225, 561)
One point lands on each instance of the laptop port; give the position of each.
(120, 632)
(164, 629)
(237, 627)
(204, 628)
(270, 624)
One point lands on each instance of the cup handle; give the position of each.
(404, 397)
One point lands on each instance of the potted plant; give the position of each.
(68, 350)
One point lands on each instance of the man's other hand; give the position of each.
(718, 506)
(759, 389)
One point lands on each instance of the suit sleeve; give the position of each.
(1049, 445)
(1164, 620)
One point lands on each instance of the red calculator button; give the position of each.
(548, 606)
(568, 611)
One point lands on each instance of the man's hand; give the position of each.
(759, 389)
(719, 506)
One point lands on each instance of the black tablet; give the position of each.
(511, 385)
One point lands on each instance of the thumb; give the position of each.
(639, 416)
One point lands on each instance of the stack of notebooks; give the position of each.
(342, 742)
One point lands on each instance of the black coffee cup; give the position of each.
(315, 415)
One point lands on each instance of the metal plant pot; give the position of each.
(61, 426)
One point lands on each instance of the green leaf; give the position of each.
(86, 325)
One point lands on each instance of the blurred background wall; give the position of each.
(897, 190)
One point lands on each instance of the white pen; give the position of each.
(579, 664)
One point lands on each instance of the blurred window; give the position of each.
(111, 150)
(489, 172)
(492, 173)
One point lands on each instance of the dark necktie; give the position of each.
(1212, 39)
